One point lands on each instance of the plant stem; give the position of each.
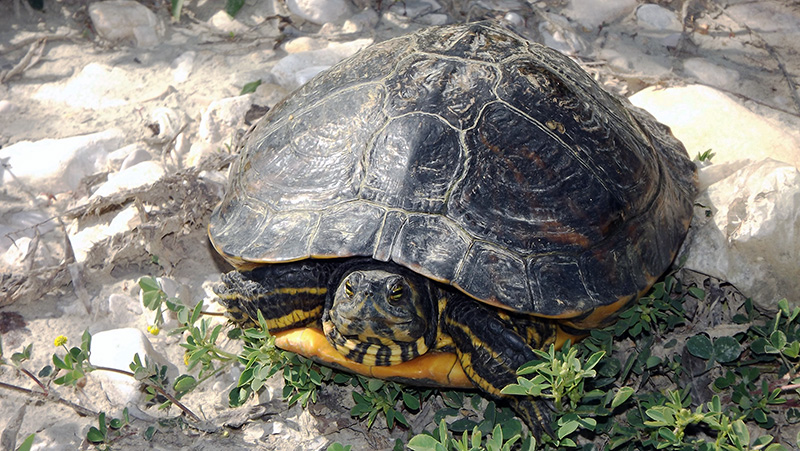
(160, 390)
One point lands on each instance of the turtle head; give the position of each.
(380, 317)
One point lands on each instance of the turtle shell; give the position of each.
(471, 156)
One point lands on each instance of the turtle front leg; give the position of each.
(289, 295)
(492, 345)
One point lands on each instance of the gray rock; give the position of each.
(709, 73)
(657, 17)
(753, 237)
(126, 21)
(591, 13)
(415, 8)
(559, 34)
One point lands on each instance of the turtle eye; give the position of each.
(348, 288)
(396, 292)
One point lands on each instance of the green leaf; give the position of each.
(177, 6)
(27, 444)
(424, 442)
(232, 7)
(94, 435)
(661, 414)
(741, 431)
(567, 428)
(622, 395)
(60, 363)
(700, 346)
(411, 402)
(778, 339)
(250, 87)
(726, 349)
(696, 292)
(184, 383)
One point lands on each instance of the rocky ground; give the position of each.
(117, 124)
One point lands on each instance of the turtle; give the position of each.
(438, 205)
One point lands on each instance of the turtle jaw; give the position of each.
(379, 318)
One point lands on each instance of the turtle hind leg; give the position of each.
(491, 346)
(289, 295)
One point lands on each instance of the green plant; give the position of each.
(705, 156)
(442, 440)
(379, 396)
(106, 432)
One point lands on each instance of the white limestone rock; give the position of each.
(222, 117)
(82, 239)
(182, 66)
(296, 69)
(126, 21)
(58, 165)
(320, 11)
(704, 118)
(224, 23)
(753, 237)
(128, 156)
(116, 349)
(144, 173)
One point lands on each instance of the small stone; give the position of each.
(415, 8)
(304, 44)
(142, 174)
(126, 21)
(434, 19)
(296, 69)
(118, 157)
(515, 19)
(222, 117)
(116, 349)
(7, 107)
(591, 13)
(182, 66)
(227, 24)
(365, 20)
(657, 17)
(320, 11)
(58, 165)
(559, 34)
(253, 432)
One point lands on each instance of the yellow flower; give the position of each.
(60, 341)
(186, 359)
(153, 329)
